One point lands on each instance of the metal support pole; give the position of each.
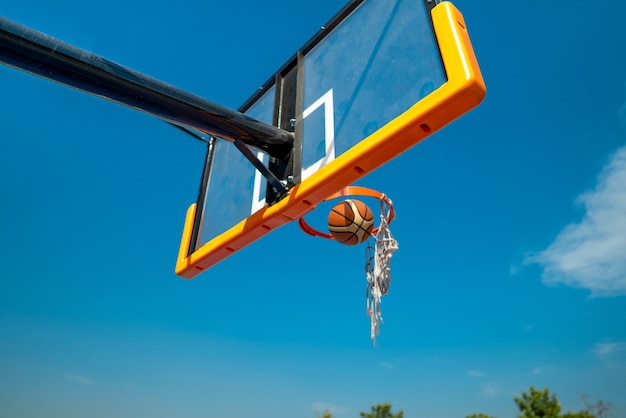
(44, 56)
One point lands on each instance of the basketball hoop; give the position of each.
(378, 256)
(350, 191)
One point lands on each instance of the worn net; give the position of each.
(378, 269)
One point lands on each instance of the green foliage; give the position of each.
(325, 414)
(532, 404)
(538, 403)
(598, 409)
(581, 414)
(542, 404)
(382, 411)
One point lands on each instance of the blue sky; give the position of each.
(511, 223)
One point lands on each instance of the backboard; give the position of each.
(377, 79)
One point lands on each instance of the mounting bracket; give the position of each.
(279, 187)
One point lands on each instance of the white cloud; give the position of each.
(320, 407)
(78, 379)
(385, 365)
(592, 254)
(606, 349)
(491, 390)
(475, 373)
(543, 369)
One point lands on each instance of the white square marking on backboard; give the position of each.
(329, 131)
(258, 200)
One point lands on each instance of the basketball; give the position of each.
(351, 222)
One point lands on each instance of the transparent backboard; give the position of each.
(385, 75)
(363, 74)
(235, 188)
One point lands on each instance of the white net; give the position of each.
(378, 269)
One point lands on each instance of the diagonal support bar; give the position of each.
(280, 189)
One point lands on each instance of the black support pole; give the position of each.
(44, 56)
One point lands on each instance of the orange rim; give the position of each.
(349, 191)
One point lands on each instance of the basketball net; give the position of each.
(378, 256)
(378, 269)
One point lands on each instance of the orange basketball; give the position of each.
(351, 222)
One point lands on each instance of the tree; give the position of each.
(542, 404)
(382, 410)
(598, 409)
(325, 414)
(538, 403)
(581, 414)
